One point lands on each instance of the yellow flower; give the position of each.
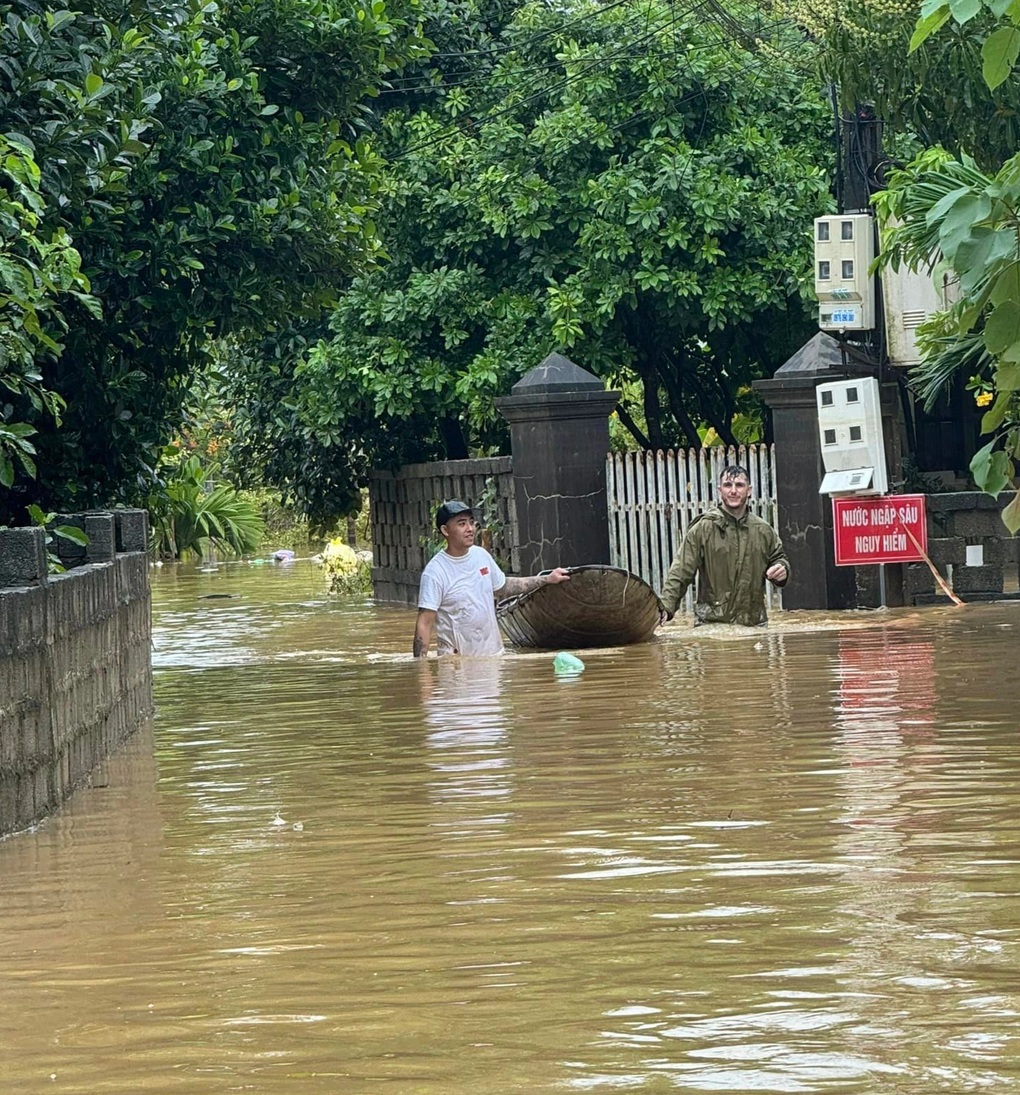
(983, 399)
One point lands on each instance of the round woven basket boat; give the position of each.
(599, 606)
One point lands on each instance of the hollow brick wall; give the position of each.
(403, 505)
(75, 666)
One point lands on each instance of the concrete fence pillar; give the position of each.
(100, 528)
(22, 557)
(559, 436)
(805, 516)
(101, 531)
(132, 529)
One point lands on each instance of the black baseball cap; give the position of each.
(451, 509)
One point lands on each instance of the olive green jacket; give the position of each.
(729, 557)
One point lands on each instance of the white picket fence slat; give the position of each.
(654, 496)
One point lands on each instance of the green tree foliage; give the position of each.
(999, 42)
(315, 467)
(632, 184)
(38, 276)
(205, 160)
(933, 92)
(944, 211)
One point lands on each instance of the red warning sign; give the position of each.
(890, 529)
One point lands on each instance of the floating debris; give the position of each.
(347, 571)
(565, 664)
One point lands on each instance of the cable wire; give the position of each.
(671, 20)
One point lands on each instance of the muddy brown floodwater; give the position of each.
(741, 861)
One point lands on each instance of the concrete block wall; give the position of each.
(403, 504)
(75, 665)
(955, 522)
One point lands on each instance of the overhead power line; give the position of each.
(481, 79)
(583, 70)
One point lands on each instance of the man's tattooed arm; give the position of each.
(514, 587)
(423, 628)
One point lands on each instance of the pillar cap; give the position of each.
(556, 406)
(820, 358)
(22, 557)
(557, 374)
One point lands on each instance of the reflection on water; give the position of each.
(725, 861)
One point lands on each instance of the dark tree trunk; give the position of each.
(454, 440)
(638, 334)
(650, 400)
(632, 427)
(723, 426)
(671, 380)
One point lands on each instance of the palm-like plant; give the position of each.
(189, 515)
(945, 212)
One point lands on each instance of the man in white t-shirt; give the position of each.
(459, 588)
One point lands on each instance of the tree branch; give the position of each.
(632, 427)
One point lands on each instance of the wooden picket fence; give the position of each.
(654, 496)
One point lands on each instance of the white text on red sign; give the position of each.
(882, 517)
(891, 529)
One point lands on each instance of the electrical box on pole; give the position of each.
(844, 286)
(850, 431)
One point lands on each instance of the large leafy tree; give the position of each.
(38, 276)
(946, 211)
(933, 94)
(630, 184)
(206, 162)
(945, 72)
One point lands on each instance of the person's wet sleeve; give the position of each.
(778, 555)
(681, 574)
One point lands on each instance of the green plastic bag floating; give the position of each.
(565, 663)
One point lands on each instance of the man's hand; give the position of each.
(776, 573)
(664, 617)
(557, 575)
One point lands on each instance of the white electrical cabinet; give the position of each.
(910, 298)
(844, 252)
(850, 431)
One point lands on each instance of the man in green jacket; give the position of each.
(732, 552)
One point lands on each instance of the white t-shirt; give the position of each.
(459, 589)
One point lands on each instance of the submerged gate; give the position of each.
(653, 497)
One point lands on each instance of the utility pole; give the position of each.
(861, 148)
